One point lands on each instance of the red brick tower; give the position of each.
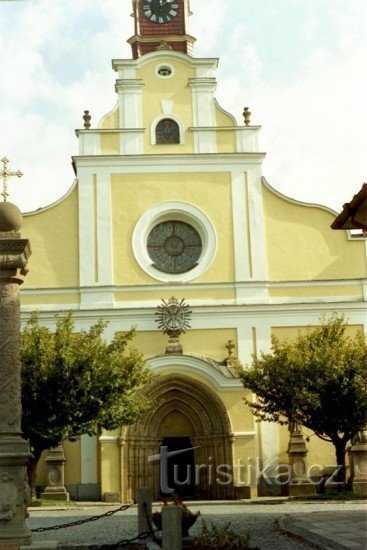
(161, 24)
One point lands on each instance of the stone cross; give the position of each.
(5, 174)
(14, 450)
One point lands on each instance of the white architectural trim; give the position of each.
(162, 117)
(142, 164)
(239, 216)
(130, 114)
(104, 231)
(256, 224)
(88, 459)
(86, 204)
(186, 364)
(181, 211)
(192, 62)
(244, 435)
(161, 66)
(203, 108)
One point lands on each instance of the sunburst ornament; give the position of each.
(173, 318)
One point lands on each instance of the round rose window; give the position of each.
(174, 247)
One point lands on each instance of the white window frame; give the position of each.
(154, 126)
(180, 211)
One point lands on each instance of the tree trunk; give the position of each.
(340, 451)
(32, 470)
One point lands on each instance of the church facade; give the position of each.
(169, 200)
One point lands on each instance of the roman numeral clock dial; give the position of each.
(160, 11)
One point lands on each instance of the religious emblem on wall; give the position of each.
(173, 318)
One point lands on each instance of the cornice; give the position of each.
(194, 159)
(169, 54)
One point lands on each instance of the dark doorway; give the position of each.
(180, 467)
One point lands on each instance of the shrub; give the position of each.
(220, 538)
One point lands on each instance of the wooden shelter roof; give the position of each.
(354, 213)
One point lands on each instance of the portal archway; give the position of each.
(189, 410)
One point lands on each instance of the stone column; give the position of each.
(55, 489)
(358, 462)
(14, 450)
(297, 452)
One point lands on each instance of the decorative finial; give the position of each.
(173, 317)
(87, 118)
(247, 115)
(5, 174)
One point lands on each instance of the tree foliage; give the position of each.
(76, 383)
(318, 380)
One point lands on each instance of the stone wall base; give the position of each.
(360, 487)
(301, 489)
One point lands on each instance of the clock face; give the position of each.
(160, 11)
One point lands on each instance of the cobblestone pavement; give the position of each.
(260, 520)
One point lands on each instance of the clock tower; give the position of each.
(161, 25)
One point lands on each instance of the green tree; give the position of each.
(318, 380)
(76, 383)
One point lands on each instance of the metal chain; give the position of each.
(82, 521)
(127, 542)
(151, 534)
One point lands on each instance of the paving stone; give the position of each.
(260, 521)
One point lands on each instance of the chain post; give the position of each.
(144, 509)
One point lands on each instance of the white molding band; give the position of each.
(88, 459)
(180, 211)
(239, 215)
(186, 364)
(104, 232)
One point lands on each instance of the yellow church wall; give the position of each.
(111, 120)
(222, 117)
(302, 246)
(226, 139)
(244, 454)
(210, 342)
(319, 452)
(110, 467)
(72, 452)
(317, 291)
(176, 89)
(53, 233)
(242, 419)
(47, 299)
(147, 190)
(110, 143)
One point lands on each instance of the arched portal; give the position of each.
(191, 412)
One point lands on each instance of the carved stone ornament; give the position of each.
(8, 497)
(10, 385)
(14, 450)
(163, 46)
(173, 317)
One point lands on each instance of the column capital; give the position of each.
(14, 255)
